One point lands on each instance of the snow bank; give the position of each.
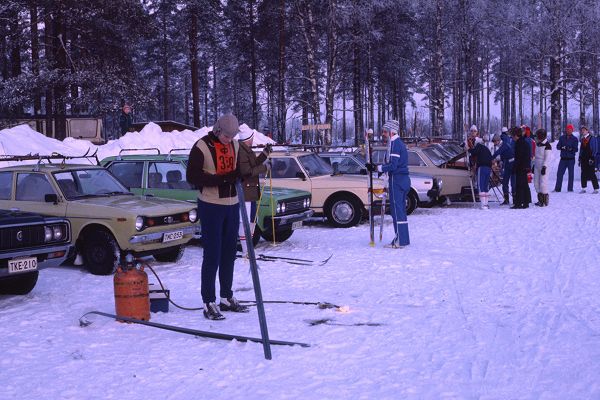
(22, 140)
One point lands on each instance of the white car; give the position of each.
(424, 190)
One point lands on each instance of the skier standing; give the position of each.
(587, 160)
(484, 169)
(567, 144)
(543, 155)
(507, 156)
(522, 195)
(396, 166)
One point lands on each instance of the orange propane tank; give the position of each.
(131, 293)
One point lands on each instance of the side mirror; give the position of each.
(363, 171)
(51, 198)
(301, 175)
(336, 168)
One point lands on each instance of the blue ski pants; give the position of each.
(508, 176)
(399, 188)
(219, 225)
(563, 165)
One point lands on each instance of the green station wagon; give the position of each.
(106, 219)
(163, 175)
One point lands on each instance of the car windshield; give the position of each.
(437, 158)
(82, 183)
(315, 165)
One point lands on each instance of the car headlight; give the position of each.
(278, 208)
(139, 223)
(439, 183)
(306, 202)
(282, 207)
(193, 215)
(47, 233)
(57, 233)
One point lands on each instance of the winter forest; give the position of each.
(434, 65)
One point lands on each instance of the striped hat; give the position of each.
(391, 126)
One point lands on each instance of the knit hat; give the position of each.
(571, 127)
(391, 126)
(496, 137)
(227, 124)
(504, 129)
(246, 135)
(474, 128)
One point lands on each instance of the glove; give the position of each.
(231, 177)
(268, 148)
(371, 167)
(543, 170)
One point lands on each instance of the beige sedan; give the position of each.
(343, 199)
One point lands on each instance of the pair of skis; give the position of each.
(291, 260)
(369, 157)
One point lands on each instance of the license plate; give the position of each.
(170, 236)
(296, 225)
(22, 265)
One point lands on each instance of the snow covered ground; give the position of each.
(497, 304)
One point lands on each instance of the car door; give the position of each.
(167, 179)
(129, 173)
(30, 194)
(286, 172)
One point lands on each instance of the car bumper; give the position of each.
(285, 221)
(156, 237)
(47, 257)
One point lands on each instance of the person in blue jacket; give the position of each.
(567, 144)
(484, 170)
(507, 156)
(396, 166)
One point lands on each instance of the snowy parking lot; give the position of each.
(497, 304)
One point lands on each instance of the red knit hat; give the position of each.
(571, 127)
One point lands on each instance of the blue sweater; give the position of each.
(567, 146)
(398, 160)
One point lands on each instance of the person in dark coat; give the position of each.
(125, 120)
(587, 160)
(251, 166)
(567, 144)
(522, 166)
(507, 156)
(482, 154)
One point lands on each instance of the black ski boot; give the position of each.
(540, 202)
(212, 312)
(233, 305)
(546, 199)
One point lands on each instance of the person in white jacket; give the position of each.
(542, 160)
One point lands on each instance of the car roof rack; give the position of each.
(48, 157)
(171, 153)
(119, 157)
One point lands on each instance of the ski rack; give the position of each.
(119, 157)
(171, 154)
(48, 157)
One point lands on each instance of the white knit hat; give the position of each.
(246, 134)
(474, 128)
(391, 126)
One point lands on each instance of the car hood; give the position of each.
(19, 217)
(284, 192)
(345, 182)
(141, 205)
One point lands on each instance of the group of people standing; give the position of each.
(521, 155)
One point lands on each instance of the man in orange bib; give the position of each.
(213, 168)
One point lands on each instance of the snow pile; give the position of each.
(21, 140)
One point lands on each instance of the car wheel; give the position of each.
(172, 255)
(100, 252)
(255, 238)
(343, 211)
(280, 236)
(411, 202)
(19, 284)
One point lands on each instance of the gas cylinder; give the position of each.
(131, 291)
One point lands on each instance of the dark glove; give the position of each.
(543, 170)
(268, 148)
(371, 167)
(230, 177)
